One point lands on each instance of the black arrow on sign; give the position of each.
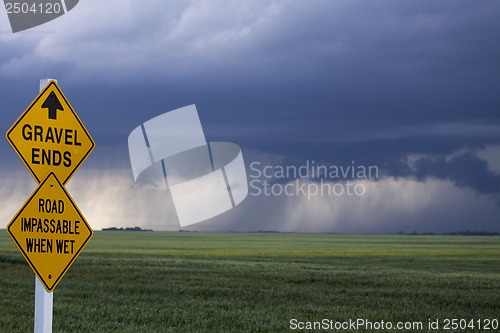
(53, 104)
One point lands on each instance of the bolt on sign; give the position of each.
(50, 231)
(49, 136)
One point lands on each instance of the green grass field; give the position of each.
(229, 282)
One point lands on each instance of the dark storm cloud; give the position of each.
(319, 73)
(465, 170)
(375, 82)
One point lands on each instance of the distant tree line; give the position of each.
(125, 229)
(455, 233)
(416, 233)
(473, 233)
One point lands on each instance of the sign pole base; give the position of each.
(43, 308)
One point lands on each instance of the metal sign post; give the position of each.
(44, 301)
(43, 308)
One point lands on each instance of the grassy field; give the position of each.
(216, 282)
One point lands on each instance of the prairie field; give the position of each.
(261, 282)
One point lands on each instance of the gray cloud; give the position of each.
(464, 170)
(389, 206)
(377, 82)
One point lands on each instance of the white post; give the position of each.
(43, 299)
(43, 308)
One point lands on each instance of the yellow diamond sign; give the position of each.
(50, 231)
(49, 136)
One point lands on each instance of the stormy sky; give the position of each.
(411, 87)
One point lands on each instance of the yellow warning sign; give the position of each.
(49, 136)
(50, 231)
